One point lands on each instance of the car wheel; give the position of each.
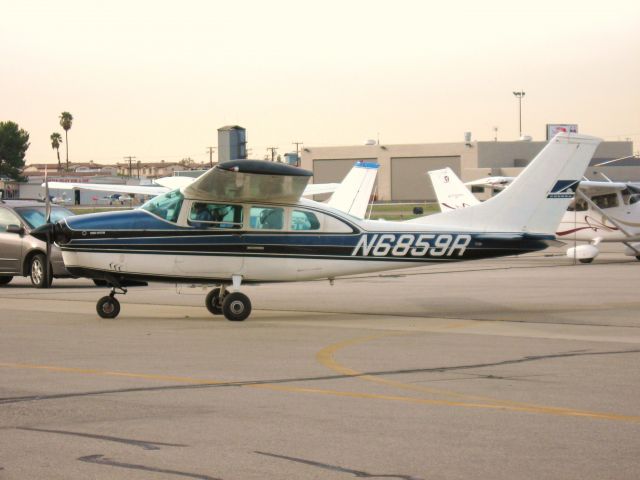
(39, 278)
(5, 279)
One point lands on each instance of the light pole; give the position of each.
(519, 94)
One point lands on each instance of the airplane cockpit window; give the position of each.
(578, 205)
(215, 215)
(166, 206)
(608, 200)
(304, 220)
(266, 218)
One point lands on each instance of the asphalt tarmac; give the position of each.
(518, 368)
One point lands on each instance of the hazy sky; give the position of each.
(155, 79)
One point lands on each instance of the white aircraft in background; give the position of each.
(244, 221)
(601, 211)
(351, 196)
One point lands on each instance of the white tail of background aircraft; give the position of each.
(537, 199)
(360, 179)
(450, 191)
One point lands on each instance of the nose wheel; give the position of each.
(235, 306)
(109, 306)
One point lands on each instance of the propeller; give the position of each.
(47, 220)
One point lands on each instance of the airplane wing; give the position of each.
(450, 191)
(171, 183)
(249, 181)
(353, 194)
(112, 188)
(594, 187)
(320, 188)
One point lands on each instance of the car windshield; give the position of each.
(34, 216)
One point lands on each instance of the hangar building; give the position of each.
(402, 176)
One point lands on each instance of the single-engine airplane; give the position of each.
(258, 229)
(601, 212)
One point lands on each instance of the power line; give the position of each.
(130, 158)
(211, 149)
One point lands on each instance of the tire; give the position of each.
(100, 283)
(5, 279)
(108, 307)
(638, 257)
(37, 272)
(236, 306)
(212, 302)
(585, 260)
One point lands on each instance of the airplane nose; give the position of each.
(43, 232)
(50, 231)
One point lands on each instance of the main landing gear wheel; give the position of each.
(41, 276)
(108, 307)
(236, 306)
(213, 303)
(585, 260)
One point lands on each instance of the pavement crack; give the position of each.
(335, 468)
(102, 460)
(248, 383)
(145, 444)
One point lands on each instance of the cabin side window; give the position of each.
(166, 206)
(578, 205)
(608, 200)
(215, 215)
(304, 220)
(266, 218)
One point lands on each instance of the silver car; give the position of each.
(20, 253)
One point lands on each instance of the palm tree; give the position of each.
(56, 140)
(66, 119)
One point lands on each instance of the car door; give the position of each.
(10, 243)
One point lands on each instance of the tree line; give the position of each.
(14, 142)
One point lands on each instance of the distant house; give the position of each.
(158, 169)
(75, 169)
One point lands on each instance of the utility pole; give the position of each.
(273, 152)
(519, 94)
(297, 144)
(211, 149)
(129, 158)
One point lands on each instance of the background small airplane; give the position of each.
(245, 222)
(602, 211)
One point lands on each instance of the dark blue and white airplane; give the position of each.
(245, 222)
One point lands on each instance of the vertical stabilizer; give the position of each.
(537, 198)
(451, 193)
(353, 194)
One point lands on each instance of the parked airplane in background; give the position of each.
(602, 211)
(245, 222)
(351, 196)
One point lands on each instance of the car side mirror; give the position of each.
(15, 229)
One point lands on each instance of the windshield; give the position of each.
(165, 206)
(34, 216)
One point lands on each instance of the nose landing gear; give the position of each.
(109, 306)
